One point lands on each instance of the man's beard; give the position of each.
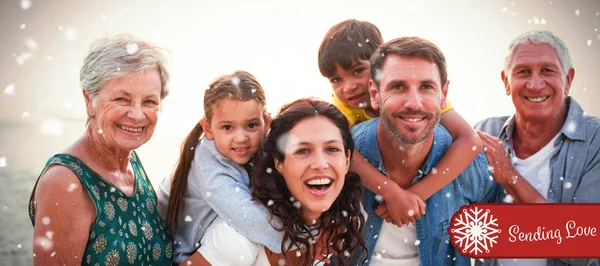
(391, 128)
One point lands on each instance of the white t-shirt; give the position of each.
(223, 245)
(396, 246)
(536, 170)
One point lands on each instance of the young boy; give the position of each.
(344, 60)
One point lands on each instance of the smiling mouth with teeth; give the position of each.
(131, 129)
(319, 184)
(412, 120)
(537, 99)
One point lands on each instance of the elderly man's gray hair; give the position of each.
(121, 55)
(541, 36)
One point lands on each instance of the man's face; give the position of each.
(410, 97)
(537, 82)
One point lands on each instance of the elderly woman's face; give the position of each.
(315, 165)
(125, 110)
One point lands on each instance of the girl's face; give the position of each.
(237, 127)
(315, 165)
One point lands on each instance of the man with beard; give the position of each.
(409, 88)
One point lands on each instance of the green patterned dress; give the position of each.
(127, 230)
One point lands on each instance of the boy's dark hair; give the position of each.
(409, 46)
(346, 42)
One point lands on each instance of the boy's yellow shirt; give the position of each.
(355, 115)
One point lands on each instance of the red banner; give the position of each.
(527, 230)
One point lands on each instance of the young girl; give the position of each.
(344, 60)
(304, 181)
(211, 178)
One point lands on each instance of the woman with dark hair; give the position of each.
(304, 181)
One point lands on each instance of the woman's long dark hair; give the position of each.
(342, 224)
(238, 85)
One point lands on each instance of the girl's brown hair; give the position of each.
(239, 85)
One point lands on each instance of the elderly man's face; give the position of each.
(537, 82)
(410, 97)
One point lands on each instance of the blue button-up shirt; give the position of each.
(575, 168)
(472, 185)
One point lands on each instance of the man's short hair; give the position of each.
(540, 36)
(346, 42)
(408, 46)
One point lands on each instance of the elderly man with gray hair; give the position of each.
(549, 150)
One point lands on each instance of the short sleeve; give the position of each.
(222, 245)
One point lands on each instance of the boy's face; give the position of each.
(352, 86)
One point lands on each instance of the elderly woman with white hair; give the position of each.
(93, 203)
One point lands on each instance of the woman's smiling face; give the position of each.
(315, 165)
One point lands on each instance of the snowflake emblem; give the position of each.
(473, 231)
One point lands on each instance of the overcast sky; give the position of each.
(42, 45)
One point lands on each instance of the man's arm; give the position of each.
(505, 174)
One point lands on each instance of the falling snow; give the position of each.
(281, 262)
(568, 185)
(270, 202)
(448, 195)
(52, 128)
(378, 198)
(132, 48)
(508, 199)
(475, 231)
(417, 242)
(411, 212)
(434, 170)
(23, 57)
(23, 26)
(70, 33)
(577, 12)
(44, 242)
(31, 44)
(2, 162)
(208, 194)
(571, 127)
(10, 89)
(25, 4)
(71, 187)
(46, 220)
(504, 9)
(269, 170)
(235, 81)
